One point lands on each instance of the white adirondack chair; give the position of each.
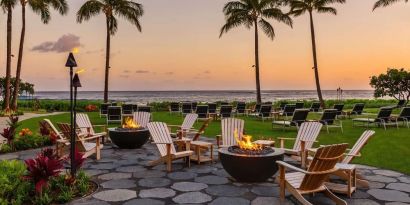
(307, 135)
(142, 118)
(162, 138)
(84, 124)
(186, 126)
(229, 126)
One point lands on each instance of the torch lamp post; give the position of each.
(71, 63)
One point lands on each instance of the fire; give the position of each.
(75, 50)
(130, 124)
(80, 71)
(246, 142)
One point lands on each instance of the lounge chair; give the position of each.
(186, 126)
(382, 119)
(404, 117)
(186, 108)
(114, 104)
(104, 109)
(84, 124)
(357, 110)
(288, 110)
(162, 138)
(229, 126)
(299, 105)
(339, 109)
(194, 105)
(265, 112)
(315, 107)
(83, 143)
(174, 108)
(141, 118)
(134, 108)
(202, 112)
(144, 108)
(223, 103)
(282, 105)
(225, 111)
(212, 109)
(313, 179)
(401, 103)
(126, 109)
(298, 118)
(307, 135)
(329, 119)
(256, 109)
(114, 114)
(240, 108)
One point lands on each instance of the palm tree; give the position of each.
(40, 7)
(255, 13)
(7, 6)
(127, 9)
(384, 3)
(300, 7)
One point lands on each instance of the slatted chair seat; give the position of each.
(228, 127)
(142, 118)
(162, 138)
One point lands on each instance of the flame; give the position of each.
(80, 71)
(130, 124)
(75, 50)
(246, 142)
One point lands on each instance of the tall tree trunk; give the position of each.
(312, 32)
(8, 65)
(20, 57)
(107, 61)
(258, 83)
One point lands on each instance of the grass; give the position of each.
(387, 149)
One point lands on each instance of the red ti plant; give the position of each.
(79, 160)
(10, 132)
(42, 168)
(44, 131)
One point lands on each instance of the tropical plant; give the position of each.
(13, 189)
(7, 6)
(10, 132)
(300, 7)
(254, 13)
(25, 88)
(41, 7)
(127, 9)
(384, 3)
(395, 83)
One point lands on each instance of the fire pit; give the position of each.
(249, 162)
(129, 136)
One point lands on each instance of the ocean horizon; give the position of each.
(204, 95)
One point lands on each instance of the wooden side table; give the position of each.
(265, 143)
(348, 188)
(198, 145)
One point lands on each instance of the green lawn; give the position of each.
(387, 149)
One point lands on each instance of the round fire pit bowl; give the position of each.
(126, 138)
(250, 167)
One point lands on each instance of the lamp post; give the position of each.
(76, 84)
(71, 63)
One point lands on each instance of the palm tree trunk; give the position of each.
(8, 64)
(312, 32)
(107, 61)
(258, 83)
(20, 57)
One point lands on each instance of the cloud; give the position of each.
(142, 71)
(65, 43)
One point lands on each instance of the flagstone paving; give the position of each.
(125, 179)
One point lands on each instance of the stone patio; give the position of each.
(125, 179)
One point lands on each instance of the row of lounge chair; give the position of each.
(384, 118)
(115, 114)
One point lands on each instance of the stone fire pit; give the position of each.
(129, 138)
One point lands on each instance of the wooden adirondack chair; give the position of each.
(84, 124)
(307, 134)
(142, 118)
(186, 126)
(162, 138)
(61, 141)
(198, 133)
(83, 143)
(228, 127)
(312, 180)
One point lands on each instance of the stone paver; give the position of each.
(226, 190)
(144, 202)
(212, 180)
(230, 201)
(154, 182)
(181, 175)
(116, 195)
(389, 195)
(115, 175)
(119, 184)
(192, 198)
(399, 187)
(189, 186)
(157, 193)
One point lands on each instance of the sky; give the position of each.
(180, 49)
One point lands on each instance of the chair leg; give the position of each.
(334, 198)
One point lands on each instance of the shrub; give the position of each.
(31, 141)
(91, 108)
(13, 189)
(10, 132)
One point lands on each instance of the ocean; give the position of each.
(206, 95)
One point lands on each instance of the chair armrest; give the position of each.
(284, 164)
(354, 155)
(174, 125)
(284, 138)
(99, 125)
(89, 138)
(161, 142)
(218, 140)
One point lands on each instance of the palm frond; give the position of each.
(89, 9)
(384, 3)
(278, 15)
(60, 5)
(130, 11)
(327, 10)
(5, 4)
(113, 25)
(267, 28)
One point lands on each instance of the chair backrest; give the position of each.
(240, 107)
(104, 108)
(257, 108)
(300, 105)
(299, 116)
(384, 114)
(308, 132)
(52, 128)
(84, 123)
(224, 103)
(114, 104)
(186, 107)
(228, 127)
(142, 118)
(339, 108)
(405, 113)
(194, 105)
(174, 107)
(160, 134)
(329, 116)
(202, 111)
(66, 130)
(322, 165)
(268, 103)
(114, 113)
(212, 108)
(189, 121)
(265, 110)
(226, 111)
(144, 108)
(289, 109)
(134, 108)
(126, 109)
(401, 103)
(315, 106)
(360, 143)
(282, 105)
(358, 108)
(202, 129)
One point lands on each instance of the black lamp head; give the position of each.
(71, 63)
(76, 81)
